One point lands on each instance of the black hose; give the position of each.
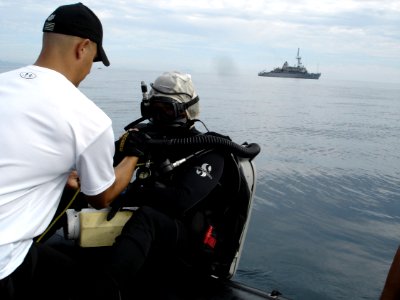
(245, 150)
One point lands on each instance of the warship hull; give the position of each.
(290, 75)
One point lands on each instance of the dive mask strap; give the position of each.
(191, 102)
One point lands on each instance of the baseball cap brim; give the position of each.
(101, 56)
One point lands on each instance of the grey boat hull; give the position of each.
(290, 75)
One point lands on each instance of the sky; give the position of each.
(342, 39)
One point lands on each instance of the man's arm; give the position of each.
(123, 174)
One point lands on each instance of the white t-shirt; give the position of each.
(47, 128)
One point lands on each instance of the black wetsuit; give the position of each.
(163, 223)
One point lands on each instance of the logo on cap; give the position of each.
(48, 26)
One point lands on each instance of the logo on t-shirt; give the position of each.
(27, 75)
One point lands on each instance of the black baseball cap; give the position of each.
(78, 20)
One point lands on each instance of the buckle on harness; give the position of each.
(210, 237)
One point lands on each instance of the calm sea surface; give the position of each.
(326, 216)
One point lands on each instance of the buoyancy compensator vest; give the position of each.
(201, 180)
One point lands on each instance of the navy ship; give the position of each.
(287, 71)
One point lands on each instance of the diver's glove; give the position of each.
(132, 143)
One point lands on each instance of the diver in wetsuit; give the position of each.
(184, 185)
(172, 179)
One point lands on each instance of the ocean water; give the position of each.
(326, 216)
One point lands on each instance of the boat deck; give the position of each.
(166, 279)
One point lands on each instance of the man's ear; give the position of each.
(82, 48)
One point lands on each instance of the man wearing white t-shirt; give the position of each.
(49, 130)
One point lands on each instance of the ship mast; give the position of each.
(298, 58)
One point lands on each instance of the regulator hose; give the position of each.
(246, 150)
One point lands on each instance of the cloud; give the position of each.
(248, 35)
